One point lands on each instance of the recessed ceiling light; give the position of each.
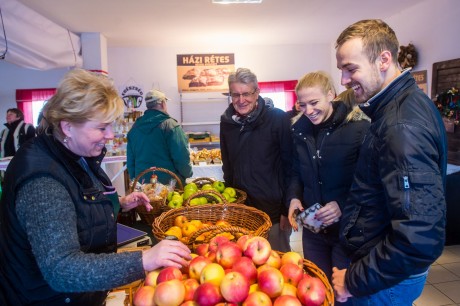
(236, 1)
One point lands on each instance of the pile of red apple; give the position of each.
(247, 272)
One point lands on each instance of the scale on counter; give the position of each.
(131, 237)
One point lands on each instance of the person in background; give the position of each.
(294, 111)
(326, 148)
(158, 140)
(269, 102)
(393, 224)
(255, 143)
(58, 232)
(16, 132)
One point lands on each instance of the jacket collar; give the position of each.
(377, 102)
(70, 160)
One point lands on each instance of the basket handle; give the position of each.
(203, 179)
(215, 230)
(153, 169)
(202, 193)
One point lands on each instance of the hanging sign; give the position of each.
(204, 72)
(420, 79)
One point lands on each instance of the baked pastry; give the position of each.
(215, 80)
(192, 73)
(209, 72)
(198, 82)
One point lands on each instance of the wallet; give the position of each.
(307, 219)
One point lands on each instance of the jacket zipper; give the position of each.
(406, 187)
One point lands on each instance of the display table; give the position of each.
(114, 166)
(210, 171)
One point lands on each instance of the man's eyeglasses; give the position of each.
(236, 96)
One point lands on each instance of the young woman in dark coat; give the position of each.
(327, 136)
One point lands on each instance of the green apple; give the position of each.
(232, 200)
(203, 200)
(226, 196)
(191, 186)
(187, 194)
(175, 203)
(207, 187)
(219, 186)
(230, 191)
(171, 194)
(195, 202)
(177, 197)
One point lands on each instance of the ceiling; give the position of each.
(139, 23)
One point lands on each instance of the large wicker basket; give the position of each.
(159, 206)
(243, 219)
(241, 196)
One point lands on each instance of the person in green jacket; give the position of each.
(158, 140)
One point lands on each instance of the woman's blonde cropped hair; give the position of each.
(316, 79)
(81, 96)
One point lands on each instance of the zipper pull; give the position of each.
(317, 154)
(406, 182)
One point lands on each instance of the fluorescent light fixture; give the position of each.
(236, 1)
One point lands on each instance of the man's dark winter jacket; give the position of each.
(396, 210)
(257, 157)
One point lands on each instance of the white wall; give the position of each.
(433, 28)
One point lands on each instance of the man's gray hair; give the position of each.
(244, 76)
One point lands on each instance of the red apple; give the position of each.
(274, 260)
(144, 296)
(169, 273)
(169, 293)
(216, 241)
(190, 286)
(242, 240)
(271, 282)
(234, 287)
(292, 273)
(292, 257)
(246, 267)
(196, 266)
(311, 291)
(257, 298)
(227, 254)
(207, 294)
(202, 249)
(212, 273)
(287, 300)
(258, 249)
(151, 278)
(262, 268)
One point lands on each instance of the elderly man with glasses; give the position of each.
(256, 145)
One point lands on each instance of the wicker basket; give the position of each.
(159, 206)
(313, 270)
(243, 219)
(241, 196)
